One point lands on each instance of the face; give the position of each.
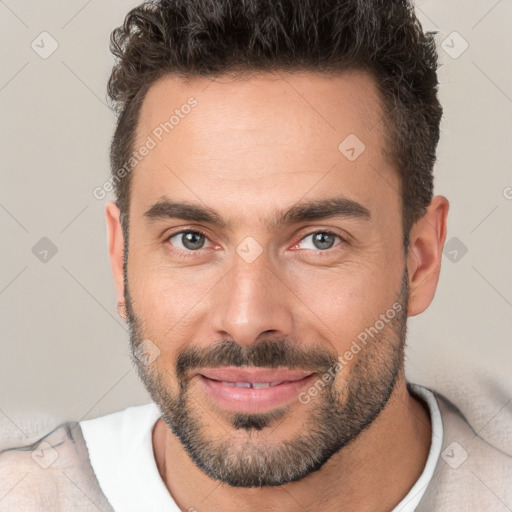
(265, 280)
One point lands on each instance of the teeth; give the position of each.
(260, 385)
(255, 385)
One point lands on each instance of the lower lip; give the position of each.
(251, 400)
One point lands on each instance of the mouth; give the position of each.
(253, 390)
(254, 385)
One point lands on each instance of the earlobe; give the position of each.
(115, 247)
(427, 239)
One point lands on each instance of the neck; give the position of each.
(373, 473)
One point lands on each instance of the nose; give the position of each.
(251, 302)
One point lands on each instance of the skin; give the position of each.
(251, 147)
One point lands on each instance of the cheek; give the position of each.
(345, 301)
(167, 301)
(163, 291)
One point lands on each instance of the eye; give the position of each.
(321, 240)
(188, 240)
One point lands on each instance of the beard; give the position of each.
(335, 416)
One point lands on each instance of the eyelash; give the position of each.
(188, 254)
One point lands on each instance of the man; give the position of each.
(274, 227)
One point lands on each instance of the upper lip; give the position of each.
(262, 375)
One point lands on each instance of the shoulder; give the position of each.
(52, 472)
(471, 473)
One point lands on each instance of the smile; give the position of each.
(252, 390)
(255, 385)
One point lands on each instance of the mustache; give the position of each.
(266, 354)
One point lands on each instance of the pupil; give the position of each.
(193, 240)
(323, 240)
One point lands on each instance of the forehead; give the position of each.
(297, 104)
(266, 139)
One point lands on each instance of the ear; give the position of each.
(115, 247)
(427, 239)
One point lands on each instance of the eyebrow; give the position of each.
(320, 209)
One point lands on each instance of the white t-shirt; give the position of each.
(121, 453)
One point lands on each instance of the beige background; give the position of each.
(64, 351)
